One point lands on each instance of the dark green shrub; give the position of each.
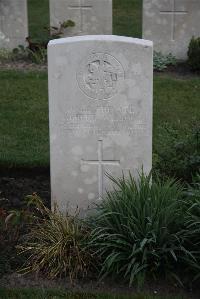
(140, 230)
(194, 54)
(177, 152)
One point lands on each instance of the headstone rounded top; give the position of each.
(104, 38)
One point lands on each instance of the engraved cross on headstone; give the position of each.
(173, 12)
(81, 7)
(101, 162)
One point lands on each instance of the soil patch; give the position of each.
(16, 184)
(93, 286)
(182, 70)
(22, 66)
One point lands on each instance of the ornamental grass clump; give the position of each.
(192, 224)
(140, 230)
(55, 246)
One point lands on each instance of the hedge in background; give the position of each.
(194, 54)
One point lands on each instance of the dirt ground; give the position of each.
(180, 70)
(16, 184)
(92, 286)
(22, 65)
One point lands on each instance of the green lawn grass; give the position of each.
(127, 17)
(24, 133)
(23, 119)
(58, 294)
(176, 101)
(38, 15)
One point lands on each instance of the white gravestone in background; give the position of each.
(13, 23)
(170, 24)
(100, 109)
(90, 16)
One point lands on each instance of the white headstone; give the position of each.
(170, 24)
(100, 103)
(90, 16)
(13, 23)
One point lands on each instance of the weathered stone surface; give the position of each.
(170, 24)
(100, 103)
(13, 23)
(90, 16)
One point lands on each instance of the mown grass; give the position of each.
(176, 101)
(58, 294)
(127, 17)
(38, 14)
(24, 113)
(23, 119)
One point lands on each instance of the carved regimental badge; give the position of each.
(100, 76)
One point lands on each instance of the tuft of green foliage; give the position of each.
(140, 230)
(26, 54)
(19, 53)
(36, 51)
(55, 245)
(161, 61)
(38, 57)
(177, 152)
(57, 32)
(5, 55)
(194, 54)
(22, 53)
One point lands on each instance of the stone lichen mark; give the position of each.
(100, 162)
(81, 7)
(173, 12)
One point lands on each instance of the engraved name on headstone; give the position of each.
(13, 23)
(89, 16)
(170, 24)
(100, 109)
